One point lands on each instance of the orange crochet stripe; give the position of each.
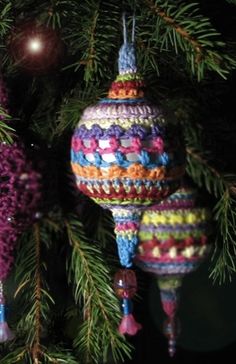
(123, 94)
(135, 171)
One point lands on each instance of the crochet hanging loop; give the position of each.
(127, 56)
(125, 28)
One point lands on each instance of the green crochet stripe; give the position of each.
(137, 202)
(129, 77)
(143, 236)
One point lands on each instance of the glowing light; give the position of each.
(35, 45)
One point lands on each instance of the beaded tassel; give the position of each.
(125, 286)
(169, 290)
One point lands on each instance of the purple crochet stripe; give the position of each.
(168, 228)
(121, 110)
(173, 205)
(129, 207)
(118, 132)
(169, 268)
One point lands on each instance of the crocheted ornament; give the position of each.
(19, 199)
(173, 243)
(123, 155)
(3, 97)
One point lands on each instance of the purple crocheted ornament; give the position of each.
(3, 97)
(19, 199)
(20, 194)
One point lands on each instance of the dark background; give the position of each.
(206, 315)
(207, 310)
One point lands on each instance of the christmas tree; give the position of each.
(57, 58)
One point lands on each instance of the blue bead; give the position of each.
(126, 306)
(2, 313)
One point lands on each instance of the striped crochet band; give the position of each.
(108, 196)
(172, 249)
(133, 130)
(126, 243)
(125, 111)
(169, 268)
(181, 199)
(175, 218)
(134, 171)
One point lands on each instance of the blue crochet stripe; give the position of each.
(126, 249)
(134, 217)
(123, 101)
(181, 196)
(168, 268)
(169, 295)
(143, 158)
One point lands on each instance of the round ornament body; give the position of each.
(173, 243)
(173, 235)
(123, 154)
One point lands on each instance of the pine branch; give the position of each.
(18, 356)
(36, 350)
(5, 18)
(231, 2)
(59, 11)
(224, 213)
(88, 272)
(73, 106)
(34, 295)
(97, 39)
(180, 26)
(6, 132)
(104, 229)
(54, 355)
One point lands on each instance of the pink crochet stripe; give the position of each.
(127, 226)
(165, 258)
(170, 308)
(135, 147)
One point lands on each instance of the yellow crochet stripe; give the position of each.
(126, 123)
(134, 201)
(136, 171)
(127, 233)
(175, 218)
(122, 94)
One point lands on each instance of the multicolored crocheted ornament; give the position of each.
(19, 199)
(122, 154)
(173, 243)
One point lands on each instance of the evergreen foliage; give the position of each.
(64, 308)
